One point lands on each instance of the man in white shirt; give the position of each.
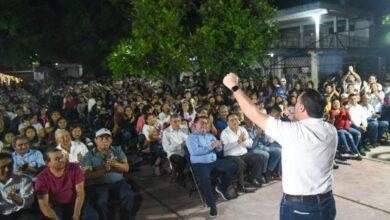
(359, 121)
(16, 192)
(236, 140)
(351, 78)
(74, 151)
(375, 128)
(173, 140)
(308, 149)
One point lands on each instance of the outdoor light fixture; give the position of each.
(317, 19)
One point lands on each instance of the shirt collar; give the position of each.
(18, 155)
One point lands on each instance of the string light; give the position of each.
(7, 79)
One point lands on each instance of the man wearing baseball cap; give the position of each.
(103, 167)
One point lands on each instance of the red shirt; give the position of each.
(341, 120)
(61, 190)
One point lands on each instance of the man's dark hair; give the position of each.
(4, 156)
(46, 157)
(17, 138)
(174, 115)
(276, 108)
(197, 118)
(148, 115)
(351, 96)
(146, 108)
(314, 103)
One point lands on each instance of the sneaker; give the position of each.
(366, 149)
(256, 183)
(362, 153)
(213, 212)
(268, 177)
(221, 193)
(356, 157)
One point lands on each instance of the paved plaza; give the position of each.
(362, 191)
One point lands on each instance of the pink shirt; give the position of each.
(140, 124)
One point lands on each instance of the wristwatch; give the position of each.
(235, 88)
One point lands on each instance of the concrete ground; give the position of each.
(362, 191)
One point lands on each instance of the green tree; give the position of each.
(158, 46)
(222, 36)
(233, 35)
(386, 20)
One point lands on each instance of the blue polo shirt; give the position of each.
(97, 161)
(199, 147)
(34, 158)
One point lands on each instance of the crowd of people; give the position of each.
(64, 145)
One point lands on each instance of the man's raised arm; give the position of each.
(247, 106)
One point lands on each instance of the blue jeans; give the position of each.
(203, 172)
(66, 211)
(120, 190)
(318, 209)
(376, 129)
(357, 136)
(347, 140)
(264, 157)
(273, 153)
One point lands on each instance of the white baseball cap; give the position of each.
(102, 132)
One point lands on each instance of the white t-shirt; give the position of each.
(75, 149)
(308, 150)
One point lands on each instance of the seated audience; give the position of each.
(236, 142)
(60, 189)
(202, 147)
(104, 166)
(17, 192)
(173, 141)
(73, 151)
(26, 161)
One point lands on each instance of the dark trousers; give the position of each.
(251, 161)
(179, 164)
(66, 211)
(318, 209)
(203, 172)
(24, 214)
(119, 190)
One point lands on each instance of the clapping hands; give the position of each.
(111, 162)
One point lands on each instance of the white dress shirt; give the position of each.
(75, 149)
(308, 150)
(358, 115)
(376, 102)
(369, 111)
(172, 140)
(24, 189)
(231, 147)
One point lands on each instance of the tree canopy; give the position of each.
(212, 37)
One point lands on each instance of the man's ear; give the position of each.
(301, 107)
